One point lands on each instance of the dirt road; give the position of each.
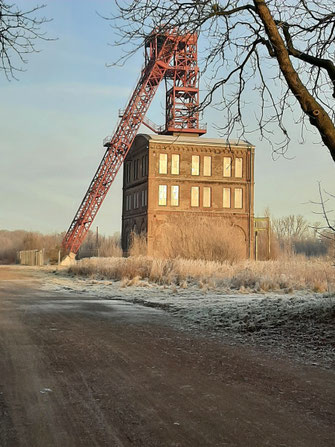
(78, 371)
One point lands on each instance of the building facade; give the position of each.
(168, 176)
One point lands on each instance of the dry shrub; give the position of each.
(13, 241)
(110, 246)
(138, 244)
(263, 249)
(200, 238)
(104, 246)
(296, 273)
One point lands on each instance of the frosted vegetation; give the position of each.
(285, 275)
(287, 307)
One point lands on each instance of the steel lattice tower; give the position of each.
(168, 56)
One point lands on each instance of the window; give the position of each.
(195, 164)
(136, 200)
(206, 199)
(174, 195)
(143, 166)
(144, 198)
(207, 166)
(238, 167)
(128, 203)
(226, 197)
(195, 196)
(162, 195)
(175, 164)
(226, 167)
(136, 166)
(162, 164)
(238, 198)
(128, 172)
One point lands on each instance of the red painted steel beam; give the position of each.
(161, 52)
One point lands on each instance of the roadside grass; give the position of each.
(294, 273)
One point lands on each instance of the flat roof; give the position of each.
(195, 140)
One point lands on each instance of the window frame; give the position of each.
(205, 173)
(241, 167)
(178, 164)
(209, 189)
(160, 163)
(172, 194)
(136, 163)
(159, 195)
(224, 167)
(198, 167)
(198, 196)
(223, 197)
(238, 207)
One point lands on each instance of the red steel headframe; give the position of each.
(182, 96)
(160, 49)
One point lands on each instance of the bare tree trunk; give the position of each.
(317, 115)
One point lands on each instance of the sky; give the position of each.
(54, 118)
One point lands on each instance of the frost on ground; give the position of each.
(299, 324)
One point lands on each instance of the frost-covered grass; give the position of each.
(298, 323)
(296, 273)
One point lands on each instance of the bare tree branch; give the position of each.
(19, 31)
(243, 39)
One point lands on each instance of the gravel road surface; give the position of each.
(76, 370)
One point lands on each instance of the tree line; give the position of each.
(290, 235)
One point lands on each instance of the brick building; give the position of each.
(168, 175)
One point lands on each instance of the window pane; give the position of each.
(226, 197)
(206, 200)
(238, 198)
(136, 169)
(226, 166)
(195, 164)
(163, 163)
(174, 195)
(175, 164)
(238, 167)
(207, 166)
(162, 194)
(195, 196)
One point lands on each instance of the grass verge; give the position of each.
(296, 273)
